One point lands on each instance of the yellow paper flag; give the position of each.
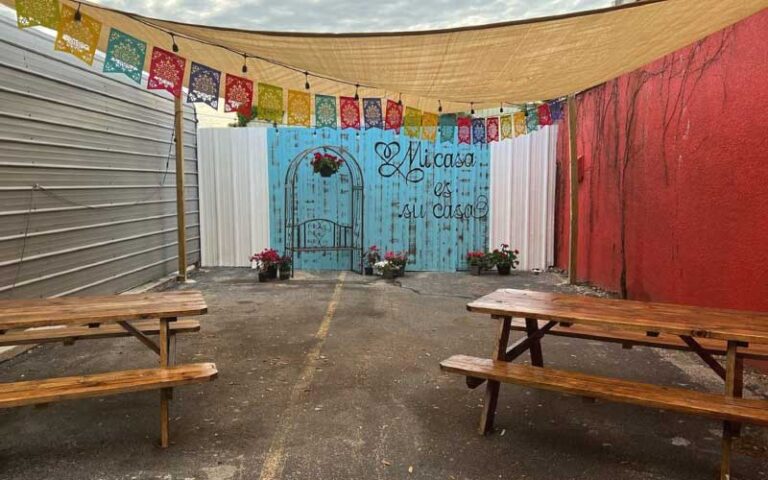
(78, 37)
(299, 109)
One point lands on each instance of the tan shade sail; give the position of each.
(510, 62)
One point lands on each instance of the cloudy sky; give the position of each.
(350, 15)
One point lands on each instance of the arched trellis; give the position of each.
(346, 237)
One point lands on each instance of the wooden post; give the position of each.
(573, 165)
(180, 218)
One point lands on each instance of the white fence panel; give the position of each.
(523, 196)
(234, 195)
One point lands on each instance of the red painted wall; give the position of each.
(674, 176)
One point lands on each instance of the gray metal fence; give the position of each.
(87, 175)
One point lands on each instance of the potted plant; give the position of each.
(477, 262)
(372, 256)
(285, 264)
(386, 268)
(266, 262)
(326, 164)
(398, 260)
(505, 259)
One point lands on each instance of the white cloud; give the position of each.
(350, 15)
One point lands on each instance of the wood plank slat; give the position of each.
(71, 334)
(30, 313)
(697, 322)
(629, 338)
(680, 400)
(34, 392)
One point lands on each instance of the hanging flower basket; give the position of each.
(326, 164)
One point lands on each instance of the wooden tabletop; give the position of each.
(45, 312)
(627, 314)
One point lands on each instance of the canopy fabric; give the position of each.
(508, 63)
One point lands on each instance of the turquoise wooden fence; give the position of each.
(428, 199)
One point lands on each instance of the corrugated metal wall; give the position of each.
(87, 175)
(234, 195)
(523, 196)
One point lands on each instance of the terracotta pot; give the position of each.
(285, 273)
(389, 274)
(272, 272)
(368, 271)
(503, 269)
(475, 269)
(263, 277)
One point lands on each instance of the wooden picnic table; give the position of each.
(708, 332)
(79, 318)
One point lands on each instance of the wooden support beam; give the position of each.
(704, 355)
(515, 350)
(141, 336)
(180, 218)
(573, 166)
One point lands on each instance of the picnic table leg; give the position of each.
(165, 393)
(733, 381)
(492, 388)
(531, 327)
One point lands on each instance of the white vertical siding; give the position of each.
(234, 195)
(523, 196)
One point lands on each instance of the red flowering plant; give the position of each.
(372, 255)
(326, 164)
(397, 259)
(504, 257)
(268, 258)
(477, 258)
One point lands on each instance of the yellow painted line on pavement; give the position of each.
(272, 469)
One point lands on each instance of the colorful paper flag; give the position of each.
(78, 37)
(545, 117)
(125, 54)
(31, 13)
(325, 111)
(520, 124)
(429, 126)
(204, 85)
(166, 71)
(349, 113)
(299, 108)
(492, 129)
(447, 127)
(531, 119)
(478, 130)
(412, 122)
(372, 113)
(394, 118)
(465, 129)
(556, 110)
(507, 130)
(270, 103)
(238, 94)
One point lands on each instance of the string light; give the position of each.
(306, 80)
(175, 47)
(357, 97)
(501, 108)
(439, 107)
(472, 107)
(78, 16)
(400, 99)
(245, 64)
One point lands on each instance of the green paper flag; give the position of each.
(447, 127)
(270, 103)
(125, 54)
(31, 13)
(325, 111)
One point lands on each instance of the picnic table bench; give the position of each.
(70, 319)
(707, 332)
